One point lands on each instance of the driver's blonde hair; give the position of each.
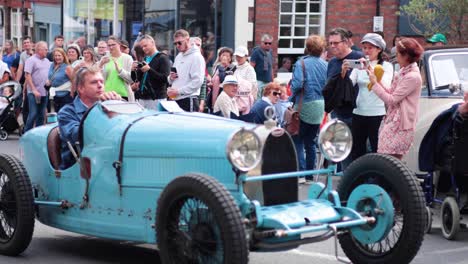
(81, 74)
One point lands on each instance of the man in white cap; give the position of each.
(226, 102)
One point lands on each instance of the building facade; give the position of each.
(217, 22)
(292, 21)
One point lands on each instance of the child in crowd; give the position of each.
(7, 93)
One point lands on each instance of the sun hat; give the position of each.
(230, 79)
(438, 38)
(241, 51)
(374, 39)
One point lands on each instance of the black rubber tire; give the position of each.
(450, 218)
(15, 194)
(408, 199)
(3, 135)
(428, 227)
(218, 206)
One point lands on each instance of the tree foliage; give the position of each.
(449, 17)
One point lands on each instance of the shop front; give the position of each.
(211, 20)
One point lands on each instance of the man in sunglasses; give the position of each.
(187, 73)
(262, 61)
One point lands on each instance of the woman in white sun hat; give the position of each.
(247, 79)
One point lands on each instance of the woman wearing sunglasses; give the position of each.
(271, 95)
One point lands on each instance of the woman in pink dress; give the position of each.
(401, 99)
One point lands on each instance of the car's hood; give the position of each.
(184, 134)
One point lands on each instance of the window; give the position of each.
(299, 19)
(93, 19)
(16, 29)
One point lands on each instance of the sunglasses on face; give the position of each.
(267, 43)
(335, 43)
(277, 93)
(178, 43)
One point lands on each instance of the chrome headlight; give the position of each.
(244, 150)
(335, 140)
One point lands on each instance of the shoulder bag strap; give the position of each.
(55, 71)
(303, 86)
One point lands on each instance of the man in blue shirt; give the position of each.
(90, 86)
(262, 61)
(340, 47)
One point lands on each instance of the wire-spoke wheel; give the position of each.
(16, 207)
(404, 239)
(198, 221)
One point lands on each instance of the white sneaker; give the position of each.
(302, 180)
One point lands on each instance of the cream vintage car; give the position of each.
(445, 77)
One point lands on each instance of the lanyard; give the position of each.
(147, 60)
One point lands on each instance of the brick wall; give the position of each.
(357, 16)
(266, 20)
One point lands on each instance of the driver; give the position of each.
(90, 86)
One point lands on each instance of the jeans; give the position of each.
(36, 111)
(348, 120)
(306, 140)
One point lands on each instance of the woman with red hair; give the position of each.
(401, 99)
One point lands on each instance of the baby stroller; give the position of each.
(8, 122)
(443, 154)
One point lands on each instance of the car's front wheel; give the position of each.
(406, 234)
(198, 221)
(16, 207)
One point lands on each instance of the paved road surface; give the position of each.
(51, 246)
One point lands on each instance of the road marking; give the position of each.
(444, 251)
(314, 254)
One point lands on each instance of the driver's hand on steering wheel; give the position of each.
(110, 96)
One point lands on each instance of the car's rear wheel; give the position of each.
(16, 207)
(198, 221)
(406, 235)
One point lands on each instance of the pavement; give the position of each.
(50, 245)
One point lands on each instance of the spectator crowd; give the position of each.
(359, 86)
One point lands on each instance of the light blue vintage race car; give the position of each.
(206, 189)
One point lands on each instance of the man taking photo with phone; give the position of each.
(151, 74)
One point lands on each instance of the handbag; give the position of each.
(292, 120)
